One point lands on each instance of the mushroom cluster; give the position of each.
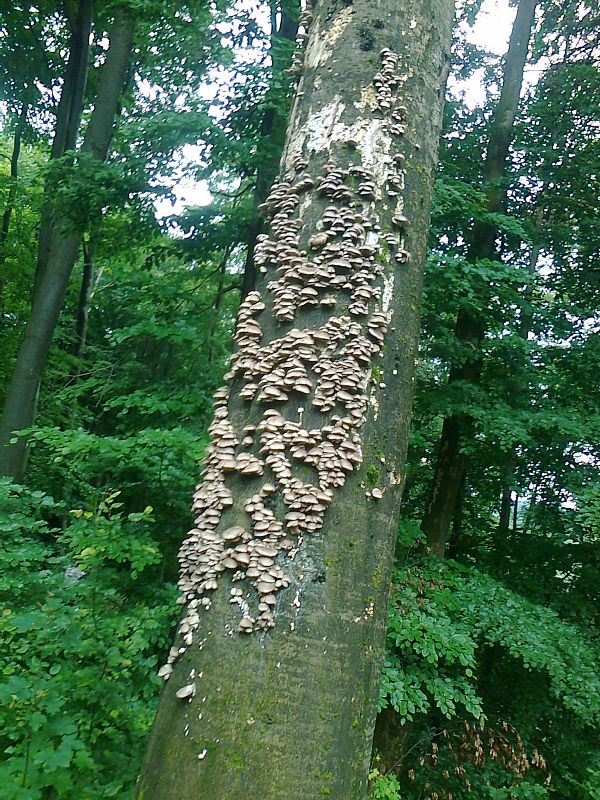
(386, 80)
(304, 20)
(341, 260)
(333, 262)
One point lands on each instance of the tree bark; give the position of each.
(451, 466)
(20, 404)
(14, 174)
(306, 464)
(390, 741)
(70, 105)
(272, 128)
(68, 115)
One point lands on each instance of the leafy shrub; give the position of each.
(84, 617)
(383, 787)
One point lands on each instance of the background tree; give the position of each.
(451, 468)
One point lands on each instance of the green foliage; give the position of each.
(431, 657)
(87, 580)
(84, 616)
(460, 643)
(441, 616)
(383, 787)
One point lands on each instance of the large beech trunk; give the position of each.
(451, 466)
(273, 680)
(21, 400)
(284, 27)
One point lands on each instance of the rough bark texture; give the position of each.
(21, 400)
(272, 128)
(296, 516)
(390, 741)
(451, 464)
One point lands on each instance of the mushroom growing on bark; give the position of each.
(316, 551)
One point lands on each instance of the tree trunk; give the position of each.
(451, 464)
(273, 126)
(285, 578)
(70, 105)
(505, 509)
(20, 405)
(390, 741)
(518, 386)
(10, 200)
(68, 115)
(85, 294)
(210, 339)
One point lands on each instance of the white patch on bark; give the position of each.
(368, 99)
(373, 401)
(305, 204)
(339, 23)
(320, 47)
(394, 478)
(318, 130)
(372, 239)
(372, 137)
(316, 46)
(388, 291)
(323, 129)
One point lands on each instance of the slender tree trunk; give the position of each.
(14, 174)
(455, 540)
(70, 105)
(10, 200)
(451, 464)
(518, 386)
(285, 578)
(273, 126)
(68, 115)
(20, 405)
(505, 509)
(217, 305)
(85, 294)
(390, 741)
(529, 513)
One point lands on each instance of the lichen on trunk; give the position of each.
(273, 679)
